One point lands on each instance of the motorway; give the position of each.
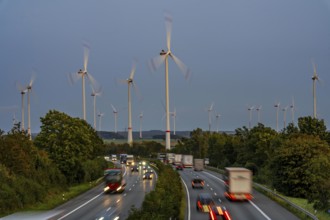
(260, 208)
(95, 205)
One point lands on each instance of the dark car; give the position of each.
(204, 202)
(147, 175)
(135, 168)
(197, 183)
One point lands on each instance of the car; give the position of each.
(204, 202)
(217, 213)
(197, 183)
(179, 167)
(135, 168)
(147, 175)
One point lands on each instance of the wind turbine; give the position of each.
(250, 109)
(130, 83)
(217, 116)
(22, 91)
(95, 92)
(210, 109)
(83, 73)
(100, 115)
(258, 109)
(284, 116)
(141, 117)
(29, 88)
(115, 113)
(156, 62)
(314, 78)
(277, 106)
(292, 106)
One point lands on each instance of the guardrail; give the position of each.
(307, 213)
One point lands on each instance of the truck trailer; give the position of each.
(238, 183)
(187, 161)
(198, 164)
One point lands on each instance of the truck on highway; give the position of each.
(114, 157)
(187, 160)
(238, 183)
(170, 158)
(129, 160)
(113, 180)
(198, 164)
(177, 159)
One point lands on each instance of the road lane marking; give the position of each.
(80, 206)
(188, 196)
(255, 206)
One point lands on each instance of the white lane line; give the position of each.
(80, 206)
(188, 197)
(109, 209)
(255, 206)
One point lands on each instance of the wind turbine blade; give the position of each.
(137, 91)
(33, 77)
(184, 69)
(168, 26)
(86, 53)
(132, 71)
(113, 108)
(20, 87)
(73, 77)
(155, 62)
(92, 81)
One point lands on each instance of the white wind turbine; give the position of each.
(23, 91)
(95, 92)
(258, 109)
(209, 110)
(130, 83)
(314, 78)
(156, 62)
(83, 73)
(277, 106)
(115, 113)
(250, 109)
(29, 88)
(100, 115)
(292, 106)
(284, 115)
(217, 116)
(141, 118)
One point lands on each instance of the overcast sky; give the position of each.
(241, 53)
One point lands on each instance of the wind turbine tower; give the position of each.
(217, 116)
(277, 106)
(314, 78)
(100, 115)
(115, 112)
(22, 91)
(284, 116)
(292, 106)
(209, 110)
(173, 114)
(250, 109)
(156, 62)
(258, 109)
(29, 88)
(95, 92)
(141, 118)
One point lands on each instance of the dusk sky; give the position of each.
(241, 53)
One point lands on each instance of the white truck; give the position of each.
(114, 157)
(187, 161)
(170, 158)
(129, 160)
(238, 183)
(177, 159)
(198, 164)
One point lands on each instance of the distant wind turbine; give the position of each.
(115, 112)
(258, 109)
(250, 109)
(23, 91)
(277, 106)
(217, 116)
(156, 62)
(95, 92)
(130, 83)
(141, 118)
(314, 78)
(292, 106)
(83, 73)
(209, 110)
(173, 114)
(284, 116)
(100, 115)
(29, 88)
